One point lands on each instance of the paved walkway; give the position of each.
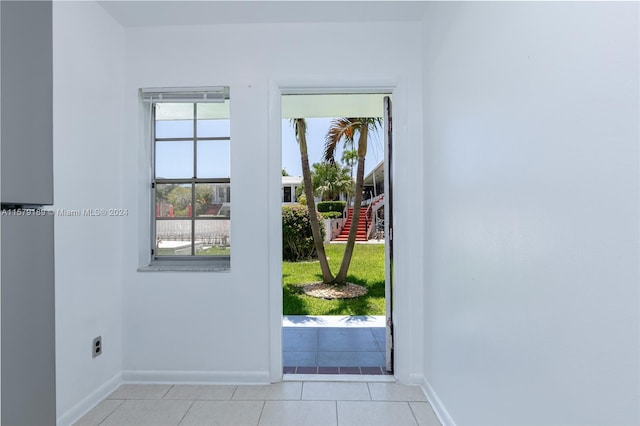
(334, 345)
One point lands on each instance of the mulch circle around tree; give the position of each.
(330, 291)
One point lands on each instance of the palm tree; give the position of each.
(350, 157)
(346, 128)
(301, 135)
(331, 180)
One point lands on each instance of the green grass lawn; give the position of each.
(367, 269)
(215, 251)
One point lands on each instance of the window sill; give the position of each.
(189, 267)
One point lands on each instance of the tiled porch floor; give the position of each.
(281, 404)
(333, 345)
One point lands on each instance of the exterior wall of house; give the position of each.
(531, 151)
(88, 71)
(225, 326)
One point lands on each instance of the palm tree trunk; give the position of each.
(327, 276)
(341, 278)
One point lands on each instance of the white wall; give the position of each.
(88, 87)
(531, 134)
(223, 326)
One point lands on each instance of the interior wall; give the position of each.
(218, 326)
(88, 85)
(531, 146)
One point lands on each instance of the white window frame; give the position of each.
(194, 96)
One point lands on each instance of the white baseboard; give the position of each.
(196, 377)
(94, 398)
(436, 404)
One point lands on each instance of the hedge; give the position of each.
(331, 215)
(331, 206)
(297, 238)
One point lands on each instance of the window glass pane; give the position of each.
(213, 200)
(173, 200)
(174, 159)
(174, 120)
(213, 111)
(214, 128)
(214, 159)
(169, 111)
(213, 237)
(213, 119)
(173, 237)
(174, 129)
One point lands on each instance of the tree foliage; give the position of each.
(345, 130)
(330, 180)
(341, 130)
(180, 197)
(297, 236)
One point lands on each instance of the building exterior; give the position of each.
(290, 185)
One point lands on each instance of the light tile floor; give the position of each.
(280, 404)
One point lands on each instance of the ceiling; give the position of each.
(160, 13)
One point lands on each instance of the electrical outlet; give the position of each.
(96, 348)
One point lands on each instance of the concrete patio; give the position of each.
(334, 345)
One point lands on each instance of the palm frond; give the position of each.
(340, 128)
(346, 128)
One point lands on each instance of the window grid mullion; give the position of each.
(195, 176)
(154, 195)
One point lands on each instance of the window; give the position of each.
(190, 131)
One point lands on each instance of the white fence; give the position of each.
(209, 232)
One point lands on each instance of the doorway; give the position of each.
(343, 337)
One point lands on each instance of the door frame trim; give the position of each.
(287, 86)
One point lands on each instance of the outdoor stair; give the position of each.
(361, 234)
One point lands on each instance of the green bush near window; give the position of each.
(331, 206)
(297, 239)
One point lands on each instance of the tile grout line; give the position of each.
(185, 413)
(108, 415)
(413, 413)
(233, 393)
(167, 392)
(261, 412)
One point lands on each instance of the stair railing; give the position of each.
(369, 222)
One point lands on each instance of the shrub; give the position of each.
(297, 238)
(302, 200)
(331, 206)
(331, 215)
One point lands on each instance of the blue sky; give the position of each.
(316, 131)
(175, 159)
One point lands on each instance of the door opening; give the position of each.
(324, 331)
